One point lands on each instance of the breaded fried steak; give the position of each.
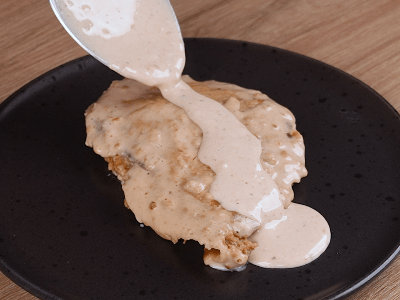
(152, 146)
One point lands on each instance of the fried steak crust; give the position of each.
(151, 146)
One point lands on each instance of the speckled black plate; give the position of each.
(65, 233)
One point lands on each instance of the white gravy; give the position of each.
(141, 40)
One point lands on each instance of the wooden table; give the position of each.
(361, 37)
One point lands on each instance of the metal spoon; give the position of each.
(139, 39)
(59, 9)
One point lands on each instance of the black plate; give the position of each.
(64, 231)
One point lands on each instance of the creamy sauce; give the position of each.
(297, 238)
(146, 45)
(231, 151)
(139, 39)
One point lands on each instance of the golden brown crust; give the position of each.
(152, 145)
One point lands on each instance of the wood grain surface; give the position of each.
(360, 37)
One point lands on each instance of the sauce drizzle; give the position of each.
(141, 40)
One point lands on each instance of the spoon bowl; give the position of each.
(60, 13)
(144, 31)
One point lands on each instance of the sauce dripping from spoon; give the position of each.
(141, 40)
